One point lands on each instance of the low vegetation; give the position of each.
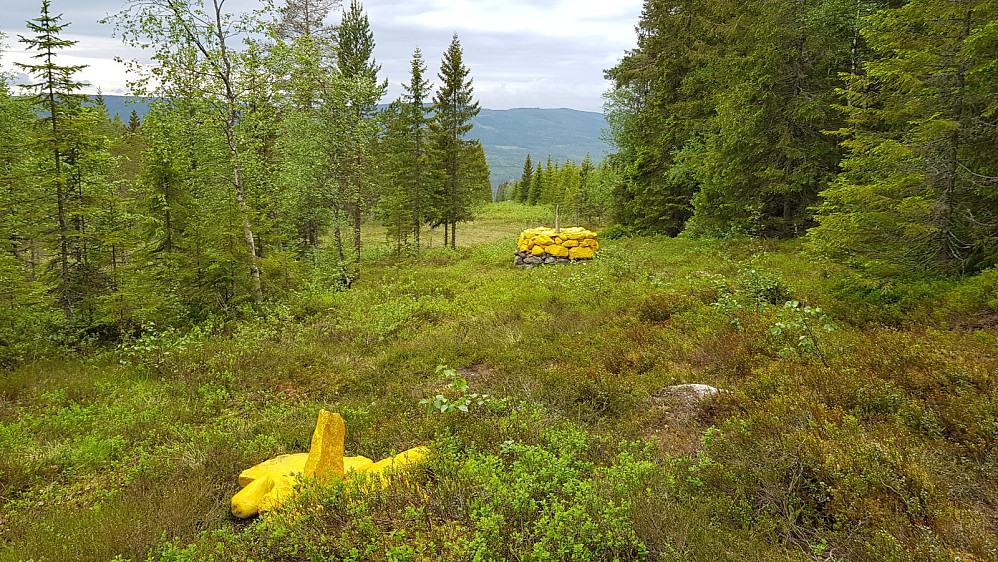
(861, 422)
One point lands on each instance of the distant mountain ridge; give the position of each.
(508, 135)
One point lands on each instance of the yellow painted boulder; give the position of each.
(325, 457)
(247, 502)
(397, 464)
(575, 243)
(557, 250)
(284, 464)
(270, 483)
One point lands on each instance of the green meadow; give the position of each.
(859, 422)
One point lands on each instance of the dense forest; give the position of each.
(262, 154)
(785, 348)
(868, 126)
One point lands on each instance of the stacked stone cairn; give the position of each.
(547, 246)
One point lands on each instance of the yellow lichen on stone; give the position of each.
(557, 250)
(581, 253)
(325, 457)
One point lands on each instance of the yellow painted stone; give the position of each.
(558, 239)
(272, 482)
(581, 253)
(269, 483)
(355, 464)
(247, 502)
(399, 463)
(284, 464)
(537, 250)
(570, 243)
(543, 240)
(284, 488)
(557, 250)
(523, 247)
(325, 457)
(591, 242)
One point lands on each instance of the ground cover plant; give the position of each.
(865, 430)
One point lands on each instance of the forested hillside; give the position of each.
(511, 135)
(507, 135)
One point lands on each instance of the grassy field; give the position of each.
(861, 421)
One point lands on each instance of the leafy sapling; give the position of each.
(804, 322)
(462, 400)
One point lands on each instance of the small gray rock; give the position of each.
(700, 390)
(533, 260)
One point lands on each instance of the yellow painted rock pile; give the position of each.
(539, 246)
(271, 482)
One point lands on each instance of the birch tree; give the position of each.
(195, 44)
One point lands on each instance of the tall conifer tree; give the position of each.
(454, 108)
(918, 189)
(355, 61)
(525, 177)
(56, 95)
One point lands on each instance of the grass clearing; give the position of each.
(878, 442)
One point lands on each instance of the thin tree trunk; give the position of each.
(947, 201)
(60, 196)
(337, 234)
(237, 172)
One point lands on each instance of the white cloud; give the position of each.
(544, 53)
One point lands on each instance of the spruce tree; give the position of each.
(454, 108)
(56, 96)
(134, 123)
(537, 186)
(406, 157)
(525, 177)
(420, 178)
(917, 190)
(356, 64)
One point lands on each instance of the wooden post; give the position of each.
(557, 219)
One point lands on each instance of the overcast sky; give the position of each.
(541, 53)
